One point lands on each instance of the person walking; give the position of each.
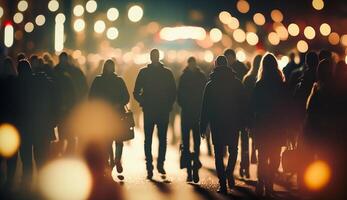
(189, 96)
(112, 89)
(155, 90)
(223, 108)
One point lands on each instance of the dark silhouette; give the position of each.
(239, 68)
(189, 96)
(8, 83)
(248, 81)
(290, 67)
(155, 90)
(111, 88)
(223, 108)
(324, 54)
(72, 88)
(268, 105)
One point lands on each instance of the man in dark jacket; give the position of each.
(239, 68)
(155, 90)
(223, 108)
(190, 90)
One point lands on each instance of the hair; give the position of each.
(230, 52)
(325, 71)
(221, 61)
(108, 67)
(191, 60)
(24, 68)
(254, 67)
(269, 69)
(311, 60)
(20, 56)
(63, 57)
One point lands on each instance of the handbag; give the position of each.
(128, 126)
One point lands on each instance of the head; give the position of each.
(63, 58)
(20, 56)
(108, 67)
(325, 71)
(292, 56)
(24, 68)
(269, 69)
(7, 69)
(230, 55)
(35, 63)
(154, 55)
(48, 58)
(192, 61)
(221, 61)
(311, 60)
(324, 54)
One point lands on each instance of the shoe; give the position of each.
(231, 182)
(149, 175)
(189, 175)
(161, 169)
(247, 173)
(196, 177)
(119, 166)
(222, 190)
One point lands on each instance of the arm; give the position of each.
(204, 112)
(124, 94)
(180, 91)
(138, 90)
(172, 88)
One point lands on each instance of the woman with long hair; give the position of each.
(268, 106)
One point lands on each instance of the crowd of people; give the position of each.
(304, 106)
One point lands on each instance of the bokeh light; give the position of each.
(318, 4)
(9, 136)
(112, 14)
(273, 38)
(79, 25)
(8, 35)
(135, 13)
(239, 35)
(99, 26)
(53, 5)
(325, 29)
(334, 38)
(317, 175)
(259, 19)
(282, 32)
(241, 56)
(60, 18)
(293, 29)
(29, 27)
(18, 18)
(225, 17)
(252, 38)
(91, 6)
(216, 35)
(309, 32)
(276, 15)
(22, 5)
(242, 6)
(182, 32)
(40, 20)
(343, 40)
(78, 10)
(234, 23)
(302, 46)
(1, 11)
(65, 179)
(112, 33)
(208, 56)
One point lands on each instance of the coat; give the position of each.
(189, 95)
(155, 89)
(223, 106)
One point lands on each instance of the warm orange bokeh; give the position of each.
(9, 140)
(317, 175)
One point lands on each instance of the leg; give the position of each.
(196, 161)
(232, 149)
(26, 155)
(119, 151)
(149, 127)
(274, 158)
(218, 151)
(185, 131)
(244, 165)
(262, 170)
(162, 135)
(110, 153)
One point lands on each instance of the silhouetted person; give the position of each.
(8, 91)
(112, 89)
(189, 97)
(248, 81)
(223, 108)
(324, 54)
(72, 86)
(239, 68)
(269, 107)
(103, 186)
(155, 90)
(290, 67)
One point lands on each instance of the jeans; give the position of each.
(186, 127)
(118, 153)
(222, 171)
(244, 149)
(162, 122)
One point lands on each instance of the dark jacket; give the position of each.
(240, 69)
(155, 89)
(111, 88)
(190, 90)
(223, 106)
(270, 107)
